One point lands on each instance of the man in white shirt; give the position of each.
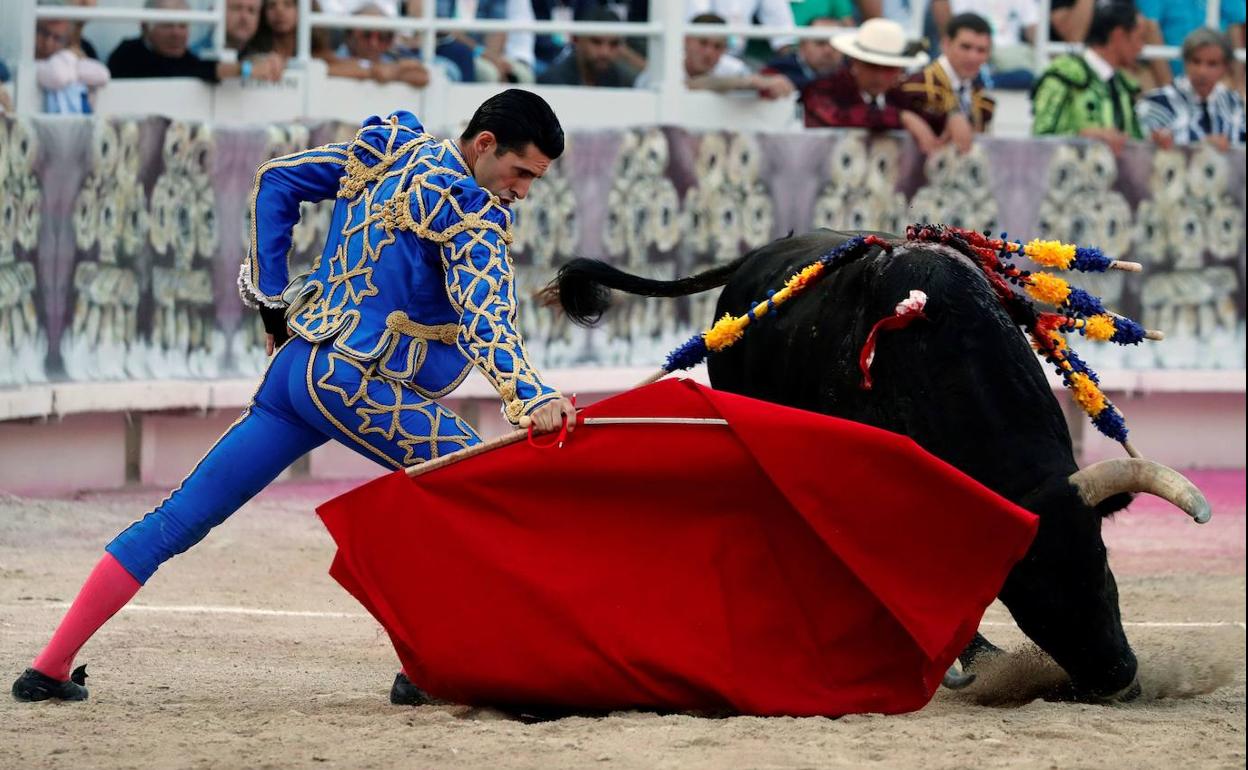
(1013, 24)
(769, 13)
(948, 93)
(708, 67)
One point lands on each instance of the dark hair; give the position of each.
(596, 13)
(972, 21)
(518, 118)
(1109, 15)
(262, 39)
(708, 18)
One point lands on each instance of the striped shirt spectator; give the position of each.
(1196, 107)
(1178, 109)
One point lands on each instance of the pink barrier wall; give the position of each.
(89, 451)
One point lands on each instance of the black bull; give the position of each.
(965, 385)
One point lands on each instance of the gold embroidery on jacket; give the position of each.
(385, 416)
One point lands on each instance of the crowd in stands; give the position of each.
(866, 75)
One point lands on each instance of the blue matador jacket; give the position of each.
(415, 276)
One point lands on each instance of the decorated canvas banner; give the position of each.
(120, 239)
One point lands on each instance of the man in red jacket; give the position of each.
(867, 92)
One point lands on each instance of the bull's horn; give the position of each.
(955, 679)
(1111, 477)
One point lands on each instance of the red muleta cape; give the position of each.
(789, 563)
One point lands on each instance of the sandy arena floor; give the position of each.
(245, 653)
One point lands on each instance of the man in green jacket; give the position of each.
(1089, 94)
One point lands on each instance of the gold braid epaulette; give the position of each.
(399, 322)
(397, 213)
(358, 175)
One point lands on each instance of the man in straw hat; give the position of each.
(867, 93)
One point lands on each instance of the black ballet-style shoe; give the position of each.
(404, 693)
(35, 686)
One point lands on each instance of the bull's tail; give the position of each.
(583, 286)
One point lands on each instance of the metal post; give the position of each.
(1042, 37)
(303, 35)
(26, 90)
(918, 19)
(428, 36)
(671, 82)
(1213, 13)
(218, 31)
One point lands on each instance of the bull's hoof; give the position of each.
(34, 686)
(1131, 693)
(404, 693)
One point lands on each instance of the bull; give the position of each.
(965, 385)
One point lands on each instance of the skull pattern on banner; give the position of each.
(23, 341)
(185, 340)
(1190, 234)
(862, 182)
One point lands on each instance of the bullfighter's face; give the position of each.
(506, 173)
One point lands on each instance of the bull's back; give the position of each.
(964, 384)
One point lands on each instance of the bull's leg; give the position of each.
(979, 650)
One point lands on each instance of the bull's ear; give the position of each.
(1114, 503)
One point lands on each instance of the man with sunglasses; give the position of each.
(592, 60)
(368, 54)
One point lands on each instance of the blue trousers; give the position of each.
(310, 393)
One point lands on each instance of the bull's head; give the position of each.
(1063, 594)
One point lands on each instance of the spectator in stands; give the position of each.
(949, 93)
(76, 41)
(768, 13)
(455, 59)
(867, 93)
(1070, 20)
(277, 29)
(505, 57)
(1171, 21)
(811, 58)
(161, 52)
(1013, 25)
(549, 48)
(367, 54)
(708, 67)
(242, 19)
(1088, 94)
(67, 78)
(1197, 107)
(593, 60)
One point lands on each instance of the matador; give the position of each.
(413, 289)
